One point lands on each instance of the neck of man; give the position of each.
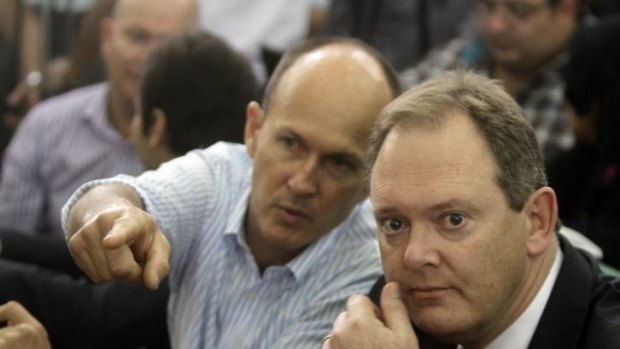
(120, 112)
(514, 81)
(264, 253)
(161, 155)
(536, 275)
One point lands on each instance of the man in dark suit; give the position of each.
(468, 234)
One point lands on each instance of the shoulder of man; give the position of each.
(458, 53)
(66, 107)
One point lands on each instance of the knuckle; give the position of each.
(123, 271)
(353, 324)
(78, 250)
(76, 245)
(104, 219)
(12, 306)
(120, 271)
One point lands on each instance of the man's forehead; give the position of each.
(324, 139)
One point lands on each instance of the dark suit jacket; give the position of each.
(40, 274)
(583, 310)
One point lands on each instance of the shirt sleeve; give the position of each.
(177, 195)
(22, 187)
(181, 195)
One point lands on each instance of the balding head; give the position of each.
(350, 54)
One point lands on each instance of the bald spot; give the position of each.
(338, 80)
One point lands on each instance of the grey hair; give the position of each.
(497, 116)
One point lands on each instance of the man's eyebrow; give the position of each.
(387, 210)
(394, 208)
(354, 159)
(450, 204)
(357, 160)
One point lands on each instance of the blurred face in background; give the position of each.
(523, 34)
(131, 33)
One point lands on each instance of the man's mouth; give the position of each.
(426, 292)
(292, 214)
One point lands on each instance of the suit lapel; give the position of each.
(570, 295)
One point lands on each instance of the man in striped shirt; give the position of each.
(267, 239)
(82, 135)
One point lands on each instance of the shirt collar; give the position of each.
(302, 265)
(234, 225)
(96, 113)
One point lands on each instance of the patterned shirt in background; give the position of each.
(219, 299)
(542, 101)
(62, 143)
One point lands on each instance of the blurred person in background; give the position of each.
(83, 134)
(262, 29)
(523, 44)
(587, 177)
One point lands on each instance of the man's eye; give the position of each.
(289, 142)
(392, 226)
(136, 37)
(453, 221)
(338, 165)
(521, 11)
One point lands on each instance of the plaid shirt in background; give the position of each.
(542, 102)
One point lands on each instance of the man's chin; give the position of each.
(509, 62)
(441, 331)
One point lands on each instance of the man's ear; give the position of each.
(542, 213)
(253, 123)
(157, 133)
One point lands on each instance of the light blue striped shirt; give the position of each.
(62, 143)
(218, 298)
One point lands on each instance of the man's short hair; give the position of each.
(202, 85)
(498, 118)
(291, 56)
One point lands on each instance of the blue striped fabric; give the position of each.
(218, 298)
(62, 143)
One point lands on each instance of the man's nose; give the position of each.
(497, 19)
(304, 180)
(421, 250)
